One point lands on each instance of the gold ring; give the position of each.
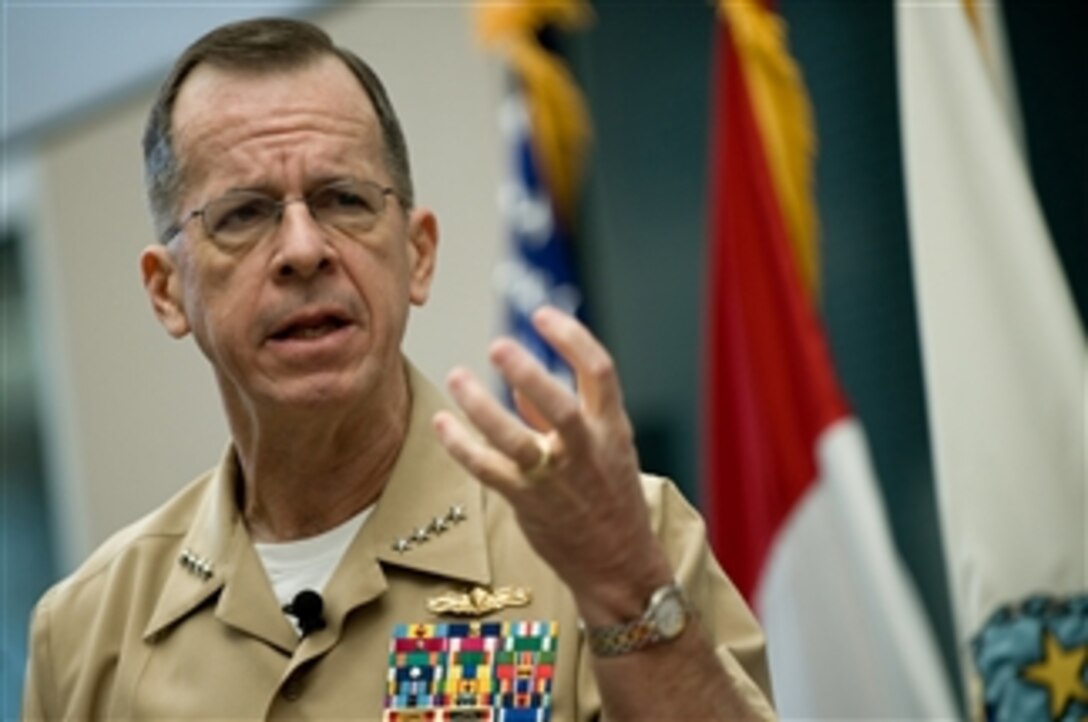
(544, 444)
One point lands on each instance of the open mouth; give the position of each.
(310, 328)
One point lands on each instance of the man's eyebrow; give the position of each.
(332, 179)
(245, 190)
(264, 188)
(270, 189)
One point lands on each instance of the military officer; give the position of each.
(363, 549)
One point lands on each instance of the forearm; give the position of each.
(682, 679)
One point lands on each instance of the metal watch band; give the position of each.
(614, 640)
(617, 639)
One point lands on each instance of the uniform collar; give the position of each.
(431, 503)
(425, 485)
(217, 556)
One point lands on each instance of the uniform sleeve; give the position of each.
(737, 637)
(38, 693)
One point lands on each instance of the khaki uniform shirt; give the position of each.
(174, 617)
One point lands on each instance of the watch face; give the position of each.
(670, 616)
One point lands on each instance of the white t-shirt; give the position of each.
(308, 563)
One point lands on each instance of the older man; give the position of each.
(344, 560)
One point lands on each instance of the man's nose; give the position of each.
(302, 246)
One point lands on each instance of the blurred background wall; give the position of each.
(104, 416)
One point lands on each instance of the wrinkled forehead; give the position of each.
(220, 111)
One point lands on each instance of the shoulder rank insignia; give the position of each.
(471, 672)
(196, 564)
(479, 602)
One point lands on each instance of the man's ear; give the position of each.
(163, 284)
(422, 253)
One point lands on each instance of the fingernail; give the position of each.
(455, 378)
(500, 350)
(441, 425)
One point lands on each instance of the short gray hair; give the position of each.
(263, 45)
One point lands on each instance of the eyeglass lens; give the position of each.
(244, 217)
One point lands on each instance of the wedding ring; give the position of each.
(545, 460)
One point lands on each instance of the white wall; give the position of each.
(54, 69)
(133, 415)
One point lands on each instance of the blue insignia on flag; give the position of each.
(478, 672)
(1031, 659)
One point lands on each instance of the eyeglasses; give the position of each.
(242, 218)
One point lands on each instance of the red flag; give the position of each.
(772, 389)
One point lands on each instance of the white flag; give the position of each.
(1004, 362)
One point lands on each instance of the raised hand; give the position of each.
(569, 469)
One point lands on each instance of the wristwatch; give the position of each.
(665, 618)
